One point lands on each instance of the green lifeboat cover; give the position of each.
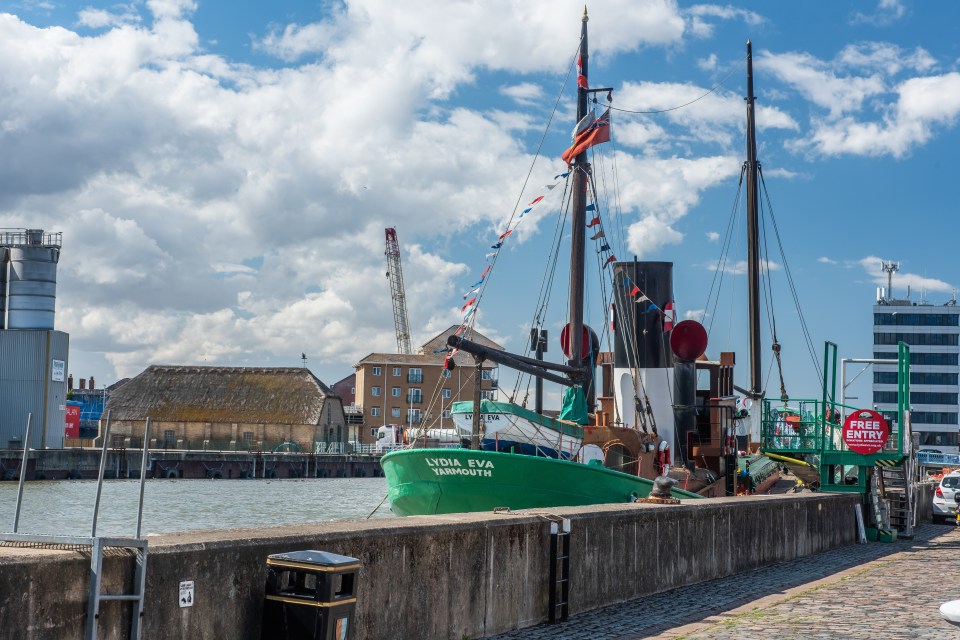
(574, 406)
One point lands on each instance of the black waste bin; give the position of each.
(309, 595)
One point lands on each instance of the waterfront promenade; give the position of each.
(869, 591)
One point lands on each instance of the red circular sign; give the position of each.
(688, 340)
(584, 342)
(865, 431)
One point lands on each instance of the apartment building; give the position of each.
(415, 389)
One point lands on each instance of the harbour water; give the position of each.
(65, 507)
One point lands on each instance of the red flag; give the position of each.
(485, 272)
(581, 79)
(505, 234)
(635, 291)
(594, 222)
(537, 199)
(612, 258)
(469, 302)
(596, 133)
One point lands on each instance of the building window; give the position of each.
(395, 412)
(247, 436)
(446, 414)
(938, 339)
(397, 371)
(375, 411)
(375, 391)
(949, 359)
(413, 416)
(486, 374)
(373, 432)
(395, 392)
(488, 395)
(353, 390)
(377, 371)
(170, 438)
(937, 438)
(415, 396)
(447, 393)
(415, 375)
(917, 319)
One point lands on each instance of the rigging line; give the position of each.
(724, 253)
(768, 298)
(793, 289)
(526, 180)
(712, 89)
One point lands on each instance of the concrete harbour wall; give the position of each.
(456, 576)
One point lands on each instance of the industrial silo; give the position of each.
(33, 356)
(31, 281)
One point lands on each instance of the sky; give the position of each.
(222, 172)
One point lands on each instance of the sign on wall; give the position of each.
(58, 369)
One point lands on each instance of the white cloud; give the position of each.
(700, 12)
(694, 314)
(739, 268)
(885, 57)
(713, 236)
(525, 93)
(709, 63)
(650, 234)
(99, 18)
(818, 82)
(826, 260)
(886, 13)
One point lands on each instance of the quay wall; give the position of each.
(453, 576)
(84, 464)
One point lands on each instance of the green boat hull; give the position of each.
(432, 481)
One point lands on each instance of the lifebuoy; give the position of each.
(171, 474)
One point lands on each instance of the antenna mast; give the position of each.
(395, 274)
(890, 268)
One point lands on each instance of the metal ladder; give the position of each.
(896, 491)
(559, 570)
(96, 543)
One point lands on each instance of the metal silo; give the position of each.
(3, 286)
(31, 280)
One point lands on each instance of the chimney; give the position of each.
(70, 382)
(83, 384)
(91, 383)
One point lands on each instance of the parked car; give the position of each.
(944, 498)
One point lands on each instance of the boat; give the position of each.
(642, 430)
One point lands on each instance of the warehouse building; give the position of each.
(227, 408)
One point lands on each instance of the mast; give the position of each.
(753, 236)
(579, 217)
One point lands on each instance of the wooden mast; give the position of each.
(753, 236)
(578, 218)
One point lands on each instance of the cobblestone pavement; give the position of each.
(868, 591)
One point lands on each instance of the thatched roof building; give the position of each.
(250, 395)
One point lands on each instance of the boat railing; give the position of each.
(931, 459)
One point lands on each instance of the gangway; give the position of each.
(96, 544)
(811, 431)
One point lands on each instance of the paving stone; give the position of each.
(869, 591)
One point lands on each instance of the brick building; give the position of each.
(392, 388)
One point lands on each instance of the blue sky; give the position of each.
(222, 172)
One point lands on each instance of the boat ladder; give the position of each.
(897, 493)
(559, 570)
(96, 544)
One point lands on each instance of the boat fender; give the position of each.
(663, 457)
(171, 474)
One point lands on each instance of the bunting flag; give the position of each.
(598, 132)
(561, 175)
(486, 271)
(496, 246)
(492, 254)
(527, 210)
(477, 283)
(597, 235)
(642, 298)
(505, 234)
(612, 258)
(594, 222)
(669, 316)
(581, 78)
(536, 200)
(591, 207)
(471, 292)
(469, 304)
(550, 187)
(603, 247)
(633, 292)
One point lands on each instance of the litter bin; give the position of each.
(309, 595)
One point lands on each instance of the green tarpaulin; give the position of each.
(574, 406)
